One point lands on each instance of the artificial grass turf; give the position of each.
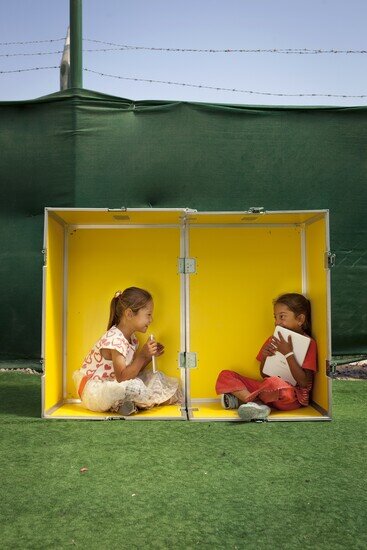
(182, 485)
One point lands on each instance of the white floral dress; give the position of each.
(99, 390)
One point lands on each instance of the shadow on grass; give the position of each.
(20, 395)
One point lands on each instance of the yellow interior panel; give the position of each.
(317, 283)
(76, 410)
(163, 411)
(239, 273)
(243, 261)
(53, 336)
(244, 218)
(108, 217)
(214, 411)
(102, 261)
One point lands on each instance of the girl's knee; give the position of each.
(225, 373)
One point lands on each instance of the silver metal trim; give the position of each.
(44, 275)
(304, 260)
(186, 278)
(266, 213)
(301, 419)
(319, 409)
(242, 225)
(150, 419)
(125, 226)
(65, 310)
(328, 312)
(53, 408)
(183, 373)
(122, 209)
(55, 217)
(269, 419)
(316, 218)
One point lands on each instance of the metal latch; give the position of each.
(330, 258)
(331, 368)
(186, 265)
(256, 210)
(187, 360)
(44, 252)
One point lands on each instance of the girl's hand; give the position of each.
(160, 349)
(149, 349)
(281, 345)
(268, 351)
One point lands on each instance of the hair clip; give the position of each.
(118, 293)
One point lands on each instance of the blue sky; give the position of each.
(194, 24)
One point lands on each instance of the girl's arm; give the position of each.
(141, 360)
(267, 351)
(302, 376)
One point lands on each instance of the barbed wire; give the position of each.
(30, 69)
(300, 51)
(29, 54)
(121, 47)
(199, 86)
(219, 88)
(32, 41)
(20, 54)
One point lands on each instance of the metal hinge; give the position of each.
(121, 209)
(186, 265)
(187, 360)
(329, 260)
(331, 368)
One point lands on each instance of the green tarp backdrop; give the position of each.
(84, 149)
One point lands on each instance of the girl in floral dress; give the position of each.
(113, 376)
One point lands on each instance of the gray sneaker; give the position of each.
(229, 401)
(127, 408)
(253, 411)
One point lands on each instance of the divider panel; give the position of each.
(239, 273)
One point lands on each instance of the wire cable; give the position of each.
(218, 88)
(199, 86)
(30, 69)
(125, 47)
(32, 41)
(297, 51)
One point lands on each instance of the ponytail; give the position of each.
(114, 318)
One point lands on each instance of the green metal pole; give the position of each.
(76, 44)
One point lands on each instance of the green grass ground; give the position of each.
(181, 485)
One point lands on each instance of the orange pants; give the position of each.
(272, 391)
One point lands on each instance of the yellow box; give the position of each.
(213, 276)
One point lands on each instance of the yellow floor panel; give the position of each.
(214, 411)
(165, 411)
(76, 411)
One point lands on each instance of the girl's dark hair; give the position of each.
(298, 304)
(132, 297)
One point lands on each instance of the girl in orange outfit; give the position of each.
(253, 398)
